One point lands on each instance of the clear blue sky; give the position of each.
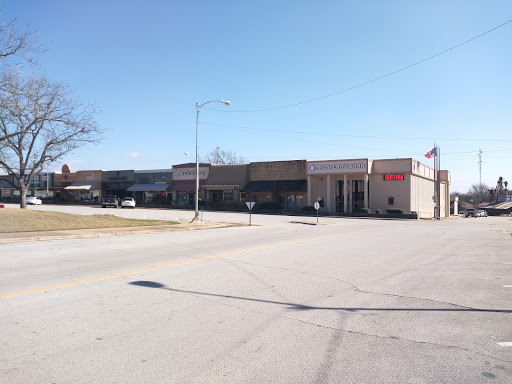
(146, 63)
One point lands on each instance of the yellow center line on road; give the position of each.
(9, 295)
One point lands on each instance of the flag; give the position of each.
(431, 153)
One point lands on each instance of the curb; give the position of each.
(19, 237)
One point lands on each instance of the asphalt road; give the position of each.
(350, 301)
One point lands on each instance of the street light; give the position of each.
(196, 197)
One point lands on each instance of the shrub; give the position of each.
(378, 211)
(396, 211)
(362, 210)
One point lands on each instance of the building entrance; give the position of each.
(354, 195)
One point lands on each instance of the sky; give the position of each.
(306, 80)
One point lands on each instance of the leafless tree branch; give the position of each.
(40, 122)
(220, 156)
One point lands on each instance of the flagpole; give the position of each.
(438, 155)
(435, 183)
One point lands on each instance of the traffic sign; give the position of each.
(250, 204)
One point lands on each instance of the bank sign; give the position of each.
(338, 167)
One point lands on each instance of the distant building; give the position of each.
(502, 199)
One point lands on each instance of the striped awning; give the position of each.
(84, 185)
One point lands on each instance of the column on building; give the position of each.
(349, 189)
(447, 200)
(366, 190)
(329, 195)
(310, 202)
(345, 193)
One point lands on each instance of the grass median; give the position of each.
(24, 220)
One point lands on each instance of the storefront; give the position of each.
(116, 183)
(289, 194)
(64, 179)
(224, 183)
(183, 184)
(345, 186)
(86, 188)
(151, 186)
(282, 183)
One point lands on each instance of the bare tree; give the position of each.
(478, 193)
(16, 46)
(219, 156)
(16, 41)
(40, 123)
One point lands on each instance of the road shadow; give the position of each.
(301, 307)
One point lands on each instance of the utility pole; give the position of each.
(480, 163)
(217, 162)
(480, 171)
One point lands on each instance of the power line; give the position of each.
(349, 135)
(367, 82)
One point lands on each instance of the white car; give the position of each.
(33, 200)
(128, 202)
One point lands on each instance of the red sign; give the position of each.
(393, 177)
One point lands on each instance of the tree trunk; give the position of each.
(23, 197)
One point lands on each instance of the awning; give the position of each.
(185, 185)
(84, 185)
(276, 186)
(116, 186)
(148, 188)
(220, 187)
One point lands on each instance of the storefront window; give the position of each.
(216, 196)
(86, 195)
(291, 202)
(299, 201)
(182, 198)
(228, 196)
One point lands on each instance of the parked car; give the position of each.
(128, 202)
(481, 213)
(33, 200)
(109, 201)
(470, 212)
(462, 212)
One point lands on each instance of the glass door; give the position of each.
(357, 194)
(339, 197)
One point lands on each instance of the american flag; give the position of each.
(431, 153)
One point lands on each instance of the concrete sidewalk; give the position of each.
(17, 237)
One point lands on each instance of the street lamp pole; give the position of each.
(196, 197)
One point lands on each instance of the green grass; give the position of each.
(24, 220)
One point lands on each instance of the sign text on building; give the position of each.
(393, 177)
(318, 167)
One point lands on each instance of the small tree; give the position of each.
(40, 123)
(219, 156)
